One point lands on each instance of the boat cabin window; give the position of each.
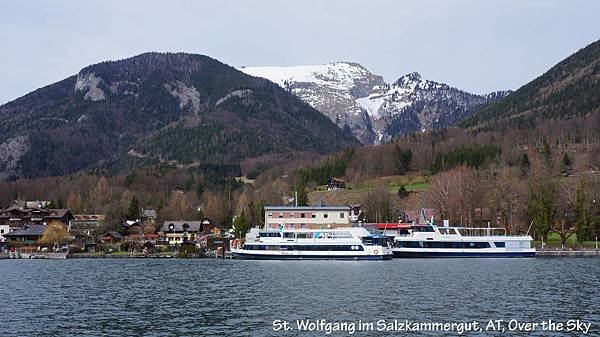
(269, 234)
(447, 231)
(371, 241)
(422, 229)
(302, 235)
(288, 235)
(499, 244)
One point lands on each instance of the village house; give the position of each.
(110, 237)
(335, 184)
(17, 217)
(178, 232)
(315, 217)
(29, 234)
(85, 224)
(148, 217)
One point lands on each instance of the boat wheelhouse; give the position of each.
(352, 243)
(411, 241)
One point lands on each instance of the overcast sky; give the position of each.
(478, 46)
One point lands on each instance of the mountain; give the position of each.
(361, 102)
(177, 108)
(569, 89)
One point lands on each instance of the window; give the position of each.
(270, 215)
(302, 215)
(325, 215)
(1, 231)
(499, 244)
(281, 215)
(313, 216)
(341, 215)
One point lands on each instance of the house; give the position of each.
(4, 229)
(315, 217)
(335, 184)
(178, 232)
(32, 203)
(148, 217)
(29, 234)
(17, 217)
(110, 237)
(132, 227)
(85, 224)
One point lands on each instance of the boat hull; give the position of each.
(413, 254)
(247, 256)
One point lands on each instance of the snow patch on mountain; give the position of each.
(374, 111)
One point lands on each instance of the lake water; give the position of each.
(173, 297)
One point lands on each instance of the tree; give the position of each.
(403, 159)
(402, 192)
(524, 165)
(240, 225)
(542, 207)
(302, 195)
(133, 211)
(378, 206)
(55, 232)
(581, 216)
(567, 162)
(546, 154)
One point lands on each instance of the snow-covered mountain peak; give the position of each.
(337, 74)
(374, 111)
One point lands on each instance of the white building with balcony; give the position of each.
(312, 217)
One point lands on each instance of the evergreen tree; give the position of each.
(403, 159)
(542, 208)
(402, 192)
(581, 216)
(240, 225)
(133, 211)
(524, 165)
(302, 195)
(567, 160)
(547, 154)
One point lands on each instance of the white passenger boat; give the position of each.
(433, 241)
(352, 243)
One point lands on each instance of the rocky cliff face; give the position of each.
(175, 108)
(360, 102)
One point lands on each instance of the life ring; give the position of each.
(376, 252)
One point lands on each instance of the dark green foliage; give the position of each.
(524, 165)
(403, 157)
(378, 207)
(67, 132)
(402, 192)
(302, 195)
(241, 225)
(471, 155)
(332, 168)
(567, 162)
(129, 180)
(133, 211)
(568, 89)
(546, 153)
(542, 208)
(187, 250)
